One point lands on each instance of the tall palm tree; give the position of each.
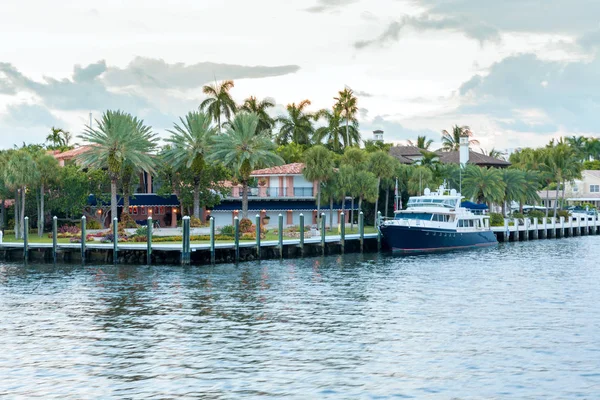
(334, 133)
(20, 173)
(365, 187)
(356, 159)
(483, 184)
(578, 144)
(297, 125)
(562, 164)
(243, 150)
(55, 138)
(451, 140)
(219, 101)
(514, 187)
(419, 179)
(422, 143)
(252, 104)
(346, 105)
(190, 142)
(318, 167)
(592, 149)
(428, 159)
(493, 153)
(47, 168)
(118, 138)
(383, 166)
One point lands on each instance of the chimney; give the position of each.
(378, 135)
(464, 150)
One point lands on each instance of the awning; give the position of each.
(473, 206)
(139, 200)
(276, 205)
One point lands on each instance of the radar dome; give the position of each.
(427, 192)
(453, 192)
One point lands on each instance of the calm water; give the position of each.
(519, 321)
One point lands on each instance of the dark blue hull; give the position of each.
(401, 239)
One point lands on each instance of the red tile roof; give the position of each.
(70, 154)
(287, 169)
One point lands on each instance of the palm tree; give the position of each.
(55, 137)
(334, 190)
(382, 166)
(420, 178)
(428, 159)
(483, 184)
(243, 150)
(219, 101)
(47, 171)
(334, 132)
(578, 144)
(20, 172)
(514, 187)
(356, 159)
(365, 187)
(318, 167)
(451, 141)
(422, 143)
(265, 122)
(592, 149)
(493, 153)
(346, 105)
(190, 143)
(297, 126)
(562, 164)
(118, 139)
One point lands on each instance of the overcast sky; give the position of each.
(519, 72)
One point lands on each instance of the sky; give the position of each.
(518, 72)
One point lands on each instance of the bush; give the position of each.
(563, 213)
(127, 221)
(195, 222)
(540, 215)
(228, 230)
(245, 225)
(141, 231)
(68, 229)
(93, 224)
(496, 219)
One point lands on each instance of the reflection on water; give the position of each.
(518, 321)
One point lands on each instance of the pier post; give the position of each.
(553, 227)
(378, 231)
(185, 243)
(83, 235)
(115, 240)
(516, 225)
(280, 237)
(257, 219)
(595, 225)
(26, 238)
(323, 223)
(361, 230)
(302, 234)
(536, 232)
(571, 233)
(527, 224)
(343, 231)
(578, 226)
(236, 226)
(587, 225)
(212, 240)
(54, 237)
(562, 227)
(149, 242)
(506, 231)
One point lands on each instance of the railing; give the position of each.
(275, 192)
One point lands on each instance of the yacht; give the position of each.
(437, 221)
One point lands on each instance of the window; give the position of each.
(594, 188)
(143, 210)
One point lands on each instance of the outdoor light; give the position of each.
(99, 211)
(175, 210)
(149, 210)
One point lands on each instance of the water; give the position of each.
(519, 321)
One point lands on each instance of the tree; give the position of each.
(428, 159)
(318, 167)
(333, 190)
(19, 173)
(422, 143)
(483, 184)
(346, 106)
(579, 146)
(265, 122)
(514, 187)
(219, 101)
(291, 152)
(55, 139)
(118, 139)
(419, 179)
(47, 173)
(190, 143)
(562, 165)
(382, 166)
(371, 146)
(493, 153)
(297, 126)
(243, 150)
(365, 187)
(334, 133)
(356, 159)
(451, 140)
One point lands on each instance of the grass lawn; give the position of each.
(34, 238)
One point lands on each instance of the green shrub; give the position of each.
(496, 219)
(563, 213)
(228, 230)
(127, 222)
(141, 231)
(245, 225)
(195, 222)
(540, 215)
(93, 224)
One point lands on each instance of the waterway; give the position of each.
(518, 321)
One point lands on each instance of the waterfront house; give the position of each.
(584, 190)
(278, 190)
(412, 155)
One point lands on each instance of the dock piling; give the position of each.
(212, 240)
(361, 230)
(536, 232)
(236, 226)
(115, 240)
(516, 233)
(323, 223)
(185, 254)
(562, 227)
(26, 238)
(343, 231)
(280, 235)
(149, 241)
(83, 237)
(257, 219)
(54, 237)
(506, 231)
(378, 231)
(302, 234)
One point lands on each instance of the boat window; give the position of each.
(420, 216)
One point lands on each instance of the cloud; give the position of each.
(150, 72)
(471, 28)
(567, 94)
(29, 115)
(89, 73)
(329, 5)
(361, 93)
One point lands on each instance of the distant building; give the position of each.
(584, 190)
(378, 135)
(412, 155)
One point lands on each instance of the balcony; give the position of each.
(274, 192)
